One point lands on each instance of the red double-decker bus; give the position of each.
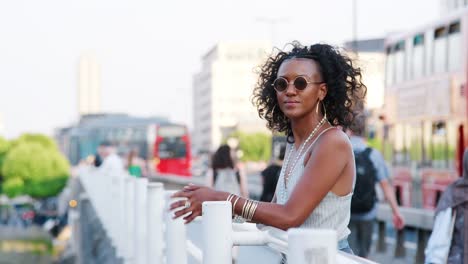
(164, 145)
(425, 109)
(172, 153)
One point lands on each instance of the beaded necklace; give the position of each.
(299, 154)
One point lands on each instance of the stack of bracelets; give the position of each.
(248, 209)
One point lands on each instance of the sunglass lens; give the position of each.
(280, 84)
(300, 83)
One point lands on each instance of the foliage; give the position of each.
(36, 161)
(31, 161)
(375, 143)
(4, 146)
(13, 187)
(255, 146)
(45, 188)
(42, 140)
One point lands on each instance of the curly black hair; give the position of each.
(346, 91)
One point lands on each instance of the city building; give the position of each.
(89, 85)
(369, 55)
(222, 92)
(449, 6)
(371, 58)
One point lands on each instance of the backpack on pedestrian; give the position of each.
(364, 196)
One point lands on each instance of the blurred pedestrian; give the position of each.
(370, 169)
(225, 175)
(308, 93)
(270, 176)
(111, 163)
(135, 165)
(97, 161)
(449, 238)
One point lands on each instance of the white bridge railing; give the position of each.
(134, 215)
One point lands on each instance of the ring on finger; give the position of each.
(187, 204)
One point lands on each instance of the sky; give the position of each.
(149, 50)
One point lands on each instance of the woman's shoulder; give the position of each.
(335, 138)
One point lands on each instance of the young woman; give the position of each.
(225, 176)
(309, 93)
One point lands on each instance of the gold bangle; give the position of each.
(243, 208)
(234, 205)
(250, 211)
(253, 209)
(247, 209)
(229, 197)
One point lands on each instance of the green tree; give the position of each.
(43, 140)
(255, 146)
(4, 146)
(42, 168)
(13, 187)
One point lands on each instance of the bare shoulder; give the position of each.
(335, 139)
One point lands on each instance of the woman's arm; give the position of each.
(389, 193)
(329, 158)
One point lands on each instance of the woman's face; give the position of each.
(299, 103)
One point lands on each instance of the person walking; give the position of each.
(225, 175)
(370, 169)
(308, 93)
(136, 165)
(448, 242)
(111, 162)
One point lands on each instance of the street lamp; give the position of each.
(355, 26)
(272, 22)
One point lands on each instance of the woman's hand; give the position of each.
(196, 195)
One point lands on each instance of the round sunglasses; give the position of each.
(300, 83)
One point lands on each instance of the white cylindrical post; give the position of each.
(104, 199)
(129, 219)
(74, 220)
(312, 246)
(113, 205)
(140, 220)
(217, 232)
(175, 235)
(121, 215)
(155, 208)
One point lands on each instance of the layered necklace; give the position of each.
(287, 173)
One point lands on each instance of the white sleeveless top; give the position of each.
(333, 212)
(226, 181)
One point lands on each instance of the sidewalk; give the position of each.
(388, 256)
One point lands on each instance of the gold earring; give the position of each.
(324, 110)
(316, 108)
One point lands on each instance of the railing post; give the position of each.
(309, 246)
(129, 219)
(121, 214)
(155, 208)
(422, 243)
(400, 250)
(381, 245)
(111, 205)
(217, 230)
(175, 235)
(140, 220)
(74, 220)
(115, 212)
(84, 205)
